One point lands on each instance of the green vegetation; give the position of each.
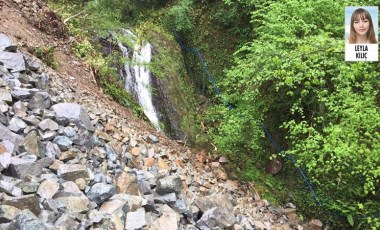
(46, 54)
(294, 79)
(279, 63)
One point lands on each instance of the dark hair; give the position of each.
(362, 14)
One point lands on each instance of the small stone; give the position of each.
(20, 168)
(149, 162)
(127, 183)
(30, 202)
(315, 224)
(162, 165)
(26, 220)
(166, 199)
(8, 213)
(215, 165)
(135, 220)
(100, 192)
(72, 172)
(169, 184)
(273, 167)
(48, 189)
(48, 125)
(81, 183)
(152, 139)
(135, 151)
(63, 142)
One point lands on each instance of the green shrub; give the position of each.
(46, 54)
(294, 79)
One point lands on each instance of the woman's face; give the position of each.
(361, 26)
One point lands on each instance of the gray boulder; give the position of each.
(26, 220)
(13, 61)
(71, 112)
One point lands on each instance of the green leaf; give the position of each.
(350, 220)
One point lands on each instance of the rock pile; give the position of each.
(68, 166)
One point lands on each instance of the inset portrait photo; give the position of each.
(361, 33)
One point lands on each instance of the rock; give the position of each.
(72, 172)
(6, 44)
(19, 109)
(40, 100)
(72, 112)
(3, 107)
(216, 217)
(166, 199)
(42, 82)
(149, 162)
(168, 221)
(219, 201)
(152, 139)
(162, 165)
(315, 224)
(33, 65)
(48, 189)
(5, 159)
(29, 187)
(8, 213)
(215, 200)
(31, 144)
(74, 204)
(95, 216)
(169, 184)
(64, 143)
(244, 222)
(5, 96)
(182, 206)
(48, 124)
(273, 167)
(16, 125)
(22, 93)
(135, 220)
(12, 61)
(127, 183)
(69, 155)
(21, 168)
(100, 192)
(135, 151)
(52, 150)
(26, 220)
(260, 225)
(111, 206)
(65, 222)
(30, 202)
(10, 188)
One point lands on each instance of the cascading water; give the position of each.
(138, 78)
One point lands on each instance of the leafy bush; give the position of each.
(179, 17)
(294, 79)
(46, 54)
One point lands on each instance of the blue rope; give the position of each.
(204, 66)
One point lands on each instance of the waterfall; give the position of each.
(138, 78)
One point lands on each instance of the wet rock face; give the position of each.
(70, 162)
